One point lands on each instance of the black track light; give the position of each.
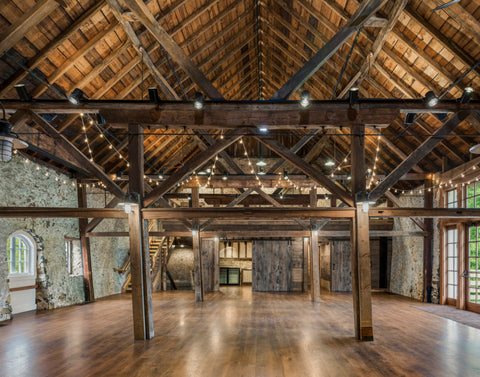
(77, 96)
(466, 95)
(353, 96)
(430, 99)
(198, 101)
(22, 92)
(153, 95)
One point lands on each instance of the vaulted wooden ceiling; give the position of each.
(248, 49)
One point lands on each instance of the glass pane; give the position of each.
(473, 233)
(9, 243)
(473, 249)
(452, 291)
(470, 203)
(473, 265)
(470, 190)
(451, 264)
(477, 188)
(9, 255)
(477, 202)
(451, 277)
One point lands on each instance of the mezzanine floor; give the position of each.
(238, 333)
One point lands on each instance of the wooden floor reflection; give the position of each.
(238, 333)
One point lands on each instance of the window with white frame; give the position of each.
(472, 195)
(73, 256)
(452, 199)
(20, 255)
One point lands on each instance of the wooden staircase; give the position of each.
(159, 248)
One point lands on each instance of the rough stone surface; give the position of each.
(107, 253)
(407, 255)
(26, 184)
(180, 267)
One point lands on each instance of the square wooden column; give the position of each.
(216, 264)
(315, 258)
(197, 252)
(428, 244)
(360, 242)
(85, 242)
(305, 264)
(139, 241)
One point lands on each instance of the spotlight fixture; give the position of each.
(119, 175)
(285, 174)
(153, 95)
(263, 129)
(161, 175)
(8, 140)
(475, 149)
(76, 97)
(198, 101)
(100, 119)
(260, 162)
(305, 99)
(353, 96)
(466, 95)
(225, 176)
(281, 196)
(363, 198)
(261, 172)
(201, 172)
(430, 99)
(22, 92)
(410, 118)
(330, 162)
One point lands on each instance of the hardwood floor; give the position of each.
(238, 333)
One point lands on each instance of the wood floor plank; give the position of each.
(236, 332)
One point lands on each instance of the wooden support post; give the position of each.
(85, 241)
(197, 252)
(360, 242)
(216, 264)
(305, 264)
(315, 257)
(139, 241)
(428, 244)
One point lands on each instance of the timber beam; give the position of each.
(232, 114)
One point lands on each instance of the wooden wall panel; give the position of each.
(272, 265)
(297, 264)
(207, 250)
(325, 265)
(341, 266)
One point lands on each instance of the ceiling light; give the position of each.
(330, 162)
(410, 118)
(119, 175)
(225, 176)
(285, 174)
(8, 141)
(305, 99)
(261, 162)
(353, 96)
(475, 149)
(153, 95)
(160, 175)
(201, 172)
(76, 97)
(22, 92)
(466, 95)
(198, 101)
(263, 129)
(430, 99)
(261, 172)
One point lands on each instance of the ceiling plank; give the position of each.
(418, 154)
(16, 31)
(50, 47)
(363, 13)
(377, 46)
(148, 20)
(160, 80)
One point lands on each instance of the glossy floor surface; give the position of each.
(239, 333)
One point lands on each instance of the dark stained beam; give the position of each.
(305, 167)
(81, 159)
(418, 154)
(366, 10)
(148, 20)
(192, 165)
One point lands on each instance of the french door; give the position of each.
(472, 270)
(461, 266)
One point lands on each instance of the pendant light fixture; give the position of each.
(8, 140)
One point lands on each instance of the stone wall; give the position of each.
(107, 253)
(25, 184)
(406, 277)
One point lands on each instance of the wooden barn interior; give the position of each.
(239, 187)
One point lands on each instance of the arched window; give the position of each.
(20, 255)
